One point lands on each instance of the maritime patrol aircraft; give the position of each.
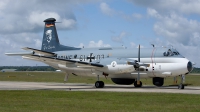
(124, 66)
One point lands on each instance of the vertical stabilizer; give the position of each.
(50, 42)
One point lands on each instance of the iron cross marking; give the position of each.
(91, 57)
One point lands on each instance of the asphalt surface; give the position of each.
(10, 85)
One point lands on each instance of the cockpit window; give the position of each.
(176, 53)
(170, 53)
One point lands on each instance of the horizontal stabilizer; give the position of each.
(39, 52)
(20, 53)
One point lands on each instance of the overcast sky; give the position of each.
(101, 23)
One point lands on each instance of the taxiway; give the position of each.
(10, 85)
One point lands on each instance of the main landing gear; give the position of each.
(138, 84)
(99, 84)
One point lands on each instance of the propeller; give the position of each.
(137, 64)
(138, 77)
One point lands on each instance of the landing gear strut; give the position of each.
(66, 77)
(99, 84)
(181, 86)
(138, 83)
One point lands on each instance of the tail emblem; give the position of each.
(49, 35)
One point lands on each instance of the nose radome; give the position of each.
(189, 66)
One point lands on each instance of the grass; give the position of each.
(82, 101)
(59, 77)
(46, 77)
(71, 101)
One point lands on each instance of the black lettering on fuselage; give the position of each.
(66, 57)
(82, 57)
(102, 56)
(98, 57)
(70, 56)
(75, 56)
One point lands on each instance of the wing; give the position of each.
(39, 52)
(49, 57)
(56, 60)
(20, 53)
(32, 52)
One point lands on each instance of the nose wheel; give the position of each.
(181, 86)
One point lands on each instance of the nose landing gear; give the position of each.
(181, 85)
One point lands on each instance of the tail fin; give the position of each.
(50, 42)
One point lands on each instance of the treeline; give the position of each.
(49, 68)
(29, 68)
(196, 70)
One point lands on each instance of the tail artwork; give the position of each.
(50, 42)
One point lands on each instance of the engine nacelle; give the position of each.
(123, 81)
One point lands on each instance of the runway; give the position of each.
(10, 85)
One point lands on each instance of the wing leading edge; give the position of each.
(32, 52)
(47, 59)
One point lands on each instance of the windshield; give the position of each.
(171, 52)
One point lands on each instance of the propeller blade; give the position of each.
(139, 53)
(138, 77)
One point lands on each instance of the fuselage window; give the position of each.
(170, 52)
(175, 53)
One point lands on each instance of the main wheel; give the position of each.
(158, 81)
(99, 84)
(136, 85)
